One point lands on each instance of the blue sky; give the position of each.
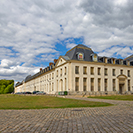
(35, 32)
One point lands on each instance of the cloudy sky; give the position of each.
(34, 32)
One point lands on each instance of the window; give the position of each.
(65, 70)
(128, 85)
(92, 84)
(52, 75)
(106, 84)
(99, 71)
(84, 70)
(128, 73)
(60, 72)
(113, 72)
(105, 71)
(57, 73)
(99, 84)
(92, 70)
(76, 84)
(65, 84)
(52, 86)
(57, 84)
(121, 72)
(49, 87)
(84, 84)
(76, 69)
(114, 85)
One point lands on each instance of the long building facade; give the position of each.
(81, 71)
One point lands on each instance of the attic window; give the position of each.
(94, 57)
(80, 56)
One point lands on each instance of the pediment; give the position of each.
(122, 76)
(60, 61)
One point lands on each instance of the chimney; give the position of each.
(51, 63)
(105, 60)
(55, 60)
(40, 69)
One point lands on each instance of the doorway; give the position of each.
(121, 88)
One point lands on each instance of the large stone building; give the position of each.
(82, 71)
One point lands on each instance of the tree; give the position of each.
(2, 89)
(6, 86)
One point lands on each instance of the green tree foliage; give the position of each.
(6, 86)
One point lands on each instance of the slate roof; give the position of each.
(130, 58)
(82, 49)
(66, 57)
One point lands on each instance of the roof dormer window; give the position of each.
(80, 56)
(94, 57)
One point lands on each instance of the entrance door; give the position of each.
(121, 87)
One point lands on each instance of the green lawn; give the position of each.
(42, 102)
(116, 97)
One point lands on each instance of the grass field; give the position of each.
(43, 102)
(116, 97)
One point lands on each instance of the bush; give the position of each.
(6, 86)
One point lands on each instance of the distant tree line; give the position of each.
(6, 86)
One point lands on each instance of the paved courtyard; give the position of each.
(113, 119)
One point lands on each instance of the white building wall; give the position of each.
(52, 84)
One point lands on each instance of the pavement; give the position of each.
(112, 119)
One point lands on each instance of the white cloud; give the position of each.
(6, 63)
(30, 29)
(70, 45)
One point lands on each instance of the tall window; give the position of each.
(99, 84)
(99, 71)
(61, 72)
(76, 69)
(114, 85)
(84, 70)
(52, 86)
(121, 72)
(106, 84)
(49, 87)
(84, 84)
(76, 84)
(57, 85)
(128, 73)
(57, 73)
(65, 70)
(128, 85)
(65, 84)
(92, 84)
(92, 70)
(113, 72)
(52, 75)
(105, 71)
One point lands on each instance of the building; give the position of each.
(81, 71)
